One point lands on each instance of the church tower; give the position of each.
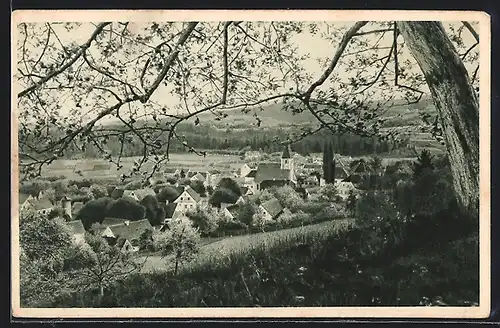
(286, 159)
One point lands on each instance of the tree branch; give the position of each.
(471, 30)
(338, 53)
(56, 72)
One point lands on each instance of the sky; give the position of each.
(319, 49)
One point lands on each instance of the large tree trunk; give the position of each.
(455, 100)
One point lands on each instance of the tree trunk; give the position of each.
(455, 100)
(176, 266)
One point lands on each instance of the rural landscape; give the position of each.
(248, 164)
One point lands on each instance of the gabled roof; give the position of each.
(121, 242)
(360, 167)
(341, 172)
(251, 173)
(76, 227)
(132, 230)
(273, 207)
(193, 194)
(271, 171)
(287, 152)
(42, 203)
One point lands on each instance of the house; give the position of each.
(77, 230)
(341, 172)
(106, 232)
(271, 209)
(43, 205)
(198, 176)
(252, 155)
(188, 199)
(344, 188)
(125, 245)
(139, 194)
(307, 181)
(231, 212)
(25, 201)
(131, 230)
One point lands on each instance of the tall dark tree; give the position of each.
(328, 164)
(424, 162)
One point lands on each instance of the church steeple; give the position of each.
(286, 159)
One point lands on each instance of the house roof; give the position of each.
(271, 171)
(273, 207)
(76, 227)
(120, 242)
(360, 167)
(251, 174)
(140, 193)
(341, 172)
(287, 152)
(133, 230)
(170, 209)
(108, 222)
(42, 203)
(243, 190)
(192, 193)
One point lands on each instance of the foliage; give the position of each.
(154, 212)
(93, 211)
(222, 195)
(199, 187)
(328, 193)
(167, 193)
(146, 240)
(182, 241)
(246, 212)
(126, 208)
(230, 184)
(98, 191)
(328, 162)
(205, 219)
(288, 198)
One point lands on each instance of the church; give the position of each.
(269, 175)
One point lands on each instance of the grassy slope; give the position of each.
(266, 271)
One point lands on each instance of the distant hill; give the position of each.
(273, 115)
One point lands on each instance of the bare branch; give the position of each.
(61, 69)
(471, 30)
(225, 65)
(338, 53)
(170, 60)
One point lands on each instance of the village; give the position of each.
(253, 177)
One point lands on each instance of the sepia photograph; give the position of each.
(260, 163)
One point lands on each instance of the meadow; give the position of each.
(218, 252)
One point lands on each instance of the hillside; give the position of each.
(272, 115)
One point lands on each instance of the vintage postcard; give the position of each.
(265, 164)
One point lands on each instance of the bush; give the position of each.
(206, 220)
(289, 198)
(98, 191)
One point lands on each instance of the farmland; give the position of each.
(101, 169)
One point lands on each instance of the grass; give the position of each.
(216, 253)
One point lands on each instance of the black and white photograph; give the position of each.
(250, 163)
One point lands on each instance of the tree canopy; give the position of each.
(70, 87)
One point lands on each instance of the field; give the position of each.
(100, 169)
(216, 254)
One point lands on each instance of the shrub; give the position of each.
(206, 220)
(168, 193)
(289, 198)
